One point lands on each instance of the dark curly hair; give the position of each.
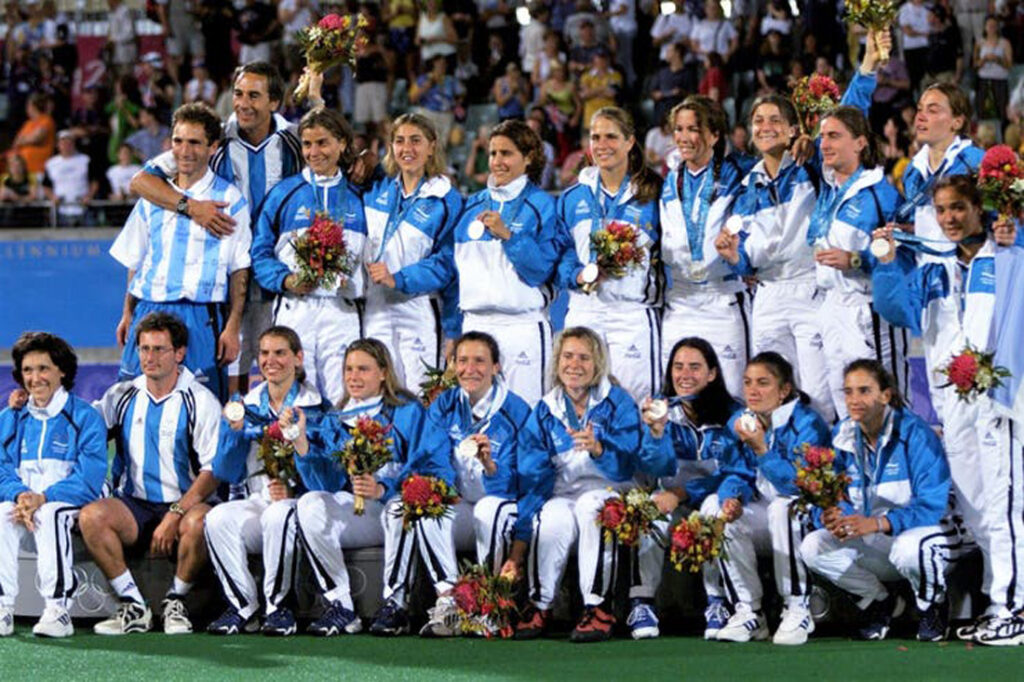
(60, 351)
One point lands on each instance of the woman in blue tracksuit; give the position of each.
(950, 303)
(410, 216)
(623, 310)
(705, 297)
(260, 519)
(695, 457)
(483, 412)
(580, 442)
(893, 526)
(325, 318)
(777, 424)
(328, 523)
(506, 249)
(53, 461)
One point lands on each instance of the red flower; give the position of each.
(274, 431)
(998, 157)
(417, 491)
(333, 22)
(613, 513)
(821, 86)
(467, 596)
(962, 371)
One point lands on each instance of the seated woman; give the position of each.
(700, 457)
(899, 493)
(578, 445)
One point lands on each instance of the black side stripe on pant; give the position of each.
(543, 356)
(536, 559)
(727, 583)
(321, 573)
(606, 593)
(923, 562)
(876, 331)
(794, 579)
(746, 325)
(393, 578)
(62, 526)
(435, 308)
(496, 534)
(655, 343)
(273, 596)
(429, 556)
(1011, 591)
(634, 565)
(598, 582)
(242, 603)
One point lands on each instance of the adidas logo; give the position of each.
(523, 360)
(633, 352)
(417, 345)
(728, 353)
(816, 342)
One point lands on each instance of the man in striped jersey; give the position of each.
(259, 149)
(166, 427)
(175, 265)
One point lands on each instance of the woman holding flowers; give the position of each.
(612, 269)
(897, 499)
(950, 302)
(328, 520)
(306, 248)
(687, 444)
(263, 521)
(579, 442)
(778, 423)
(410, 216)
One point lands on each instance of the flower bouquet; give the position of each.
(365, 452)
(616, 248)
(874, 15)
(813, 96)
(277, 455)
(437, 382)
(696, 540)
(425, 497)
(485, 603)
(321, 254)
(335, 39)
(973, 372)
(1001, 181)
(816, 478)
(628, 517)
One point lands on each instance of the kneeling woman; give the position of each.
(898, 496)
(579, 443)
(779, 422)
(695, 455)
(264, 521)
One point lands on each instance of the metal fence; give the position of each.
(38, 214)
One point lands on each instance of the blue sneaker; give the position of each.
(716, 615)
(934, 625)
(337, 620)
(390, 620)
(642, 621)
(232, 623)
(280, 623)
(878, 616)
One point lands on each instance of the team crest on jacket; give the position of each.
(582, 208)
(302, 213)
(58, 448)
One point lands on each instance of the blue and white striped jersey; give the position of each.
(162, 445)
(174, 258)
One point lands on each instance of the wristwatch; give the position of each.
(175, 508)
(182, 207)
(855, 260)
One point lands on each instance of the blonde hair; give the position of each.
(392, 391)
(435, 163)
(597, 348)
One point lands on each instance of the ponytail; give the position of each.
(646, 183)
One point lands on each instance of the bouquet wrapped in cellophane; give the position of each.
(335, 39)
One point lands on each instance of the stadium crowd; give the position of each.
(775, 278)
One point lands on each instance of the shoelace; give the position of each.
(639, 613)
(175, 609)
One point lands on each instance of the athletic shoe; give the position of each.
(795, 627)
(642, 621)
(131, 616)
(934, 624)
(878, 616)
(280, 623)
(444, 619)
(970, 632)
(716, 615)
(390, 620)
(231, 622)
(337, 620)
(175, 616)
(1002, 632)
(6, 621)
(55, 622)
(743, 626)
(533, 623)
(595, 626)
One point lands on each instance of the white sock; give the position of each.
(59, 603)
(179, 587)
(125, 588)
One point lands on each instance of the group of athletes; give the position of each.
(665, 374)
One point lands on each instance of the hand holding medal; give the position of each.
(491, 220)
(654, 413)
(477, 445)
(883, 244)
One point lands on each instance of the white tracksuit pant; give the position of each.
(861, 566)
(851, 331)
(51, 540)
(722, 320)
(633, 336)
(234, 530)
(257, 318)
(765, 528)
(326, 326)
(1002, 447)
(525, 345)
(786, 319)
(412, 332)
(328, 524)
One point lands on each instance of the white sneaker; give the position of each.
(175, 616)
(743, 626)
(55, 622)
(1002, 632)
(6, 621)
(131, 616)
(794, 628)
(444, 619)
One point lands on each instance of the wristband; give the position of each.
(881, 528)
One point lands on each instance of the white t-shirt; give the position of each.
(207, 92)
(623, 23)
(770, 23)
(69, 178)
(120, 177)
(676, 27)
(660, 142)
(714, 36)
(302, 19)
(916, 17)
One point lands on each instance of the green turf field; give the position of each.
(255, 658)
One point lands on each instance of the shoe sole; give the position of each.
(646, 633)
(1005, 641)
(129, 631)
(391, 632)
(287, 632)
(53, 635)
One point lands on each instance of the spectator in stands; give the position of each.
(945, 48)
(673, 82)
(184, 39)
(374, 78)
(658, 145)
(258, 29)
(600, 86)
(201, 87)
(294, 15)
(35, 139)
(498, 16)
(89, 124)
(538, 122)
(777, 18)
(435, 94)
(739, 145)
(671, 29)
(120, 175)
(475, 173)
(892, 92)
(622, 21)
(57, 85)
(713, 83)
(511, 93)
(121, 38)
(561, 101)
(122, 113)
(216, 17)
(157, 89)
(581, 56)
(772, 63)
(714, 33)
(151, 138)
(435, 33)
(533, 36)
(915, 28)
(17, 185)
(549, 54)
(993, 58)
(67, 181)
(400, 16)
(37, 31)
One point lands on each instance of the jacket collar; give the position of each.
(53, 408)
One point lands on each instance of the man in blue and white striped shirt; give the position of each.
(175, 265)
(166, 427)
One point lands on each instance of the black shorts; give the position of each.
(147, 515)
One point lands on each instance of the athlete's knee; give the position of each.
(311, 510)
(814, 546)
(905, 551)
